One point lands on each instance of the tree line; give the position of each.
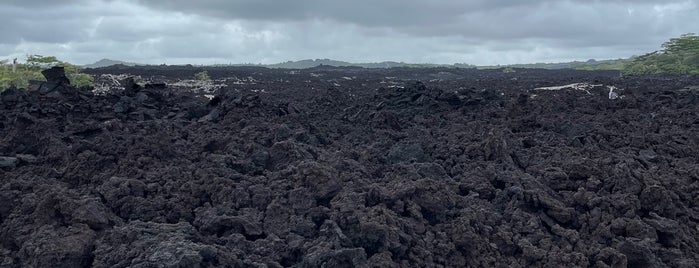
(678, 56)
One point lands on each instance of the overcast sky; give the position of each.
(479, 32)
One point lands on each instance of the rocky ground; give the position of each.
(346, 167)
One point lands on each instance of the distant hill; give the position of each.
(108, 62)
(304, 64)
(615, 64)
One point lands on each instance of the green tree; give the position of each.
(41, 62)
(687, 43)
(678, 56)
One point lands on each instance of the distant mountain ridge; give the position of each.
(616, 64)
(108, 62)
(304, 64)
(301, 64)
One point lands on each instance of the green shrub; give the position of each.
(203, 76)
(76, 78)
(19, 79)
(81, 80)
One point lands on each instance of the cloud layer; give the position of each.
(439, 31)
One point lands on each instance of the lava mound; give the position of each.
(346, 167)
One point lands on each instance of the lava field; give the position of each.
(350, 167)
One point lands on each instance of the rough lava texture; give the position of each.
(346, 167)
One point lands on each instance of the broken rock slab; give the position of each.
(56, 79)
(52, 246)
(56, 75)
(8, 162)
(27, 158)
(648, 155)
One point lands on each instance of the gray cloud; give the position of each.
(25, 23)
(440, 17)
(445, 31)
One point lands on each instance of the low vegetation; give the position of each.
(31, 70)
(20, 78)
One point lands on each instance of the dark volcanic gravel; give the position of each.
(346, 167)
